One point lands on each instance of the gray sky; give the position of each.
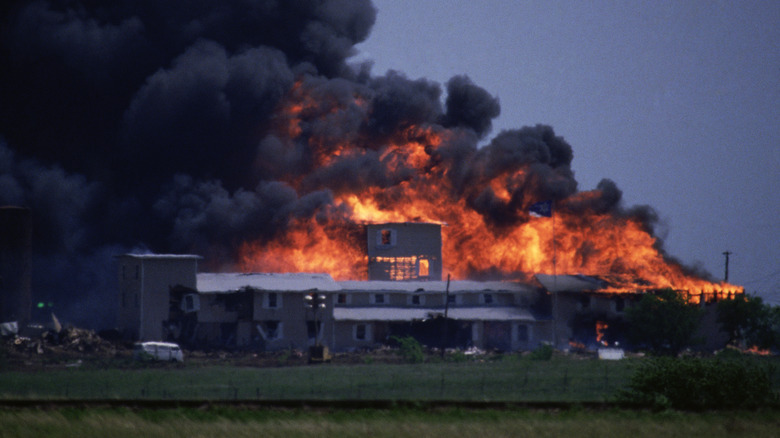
(677, 102)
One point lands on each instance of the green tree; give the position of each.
(748, 321)
(663, 323)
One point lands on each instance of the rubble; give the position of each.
(37, 340)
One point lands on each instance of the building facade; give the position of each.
(145, 281)
(404, 251)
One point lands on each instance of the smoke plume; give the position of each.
(200, 126)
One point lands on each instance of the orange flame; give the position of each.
(601, 326)
(601, 244)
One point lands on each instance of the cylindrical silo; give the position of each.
(15, 265)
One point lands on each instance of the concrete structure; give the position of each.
(15, 265)
(404, 251)
(145, 281)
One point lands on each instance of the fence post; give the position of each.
(441, 385)
(482, 385)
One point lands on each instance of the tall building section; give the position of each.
(15, 265)
(404, 251)
(145, 281)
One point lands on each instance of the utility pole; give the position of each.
(446, 311)
(727, 254)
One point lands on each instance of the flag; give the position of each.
(541, 209)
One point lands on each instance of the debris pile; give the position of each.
(39, 340)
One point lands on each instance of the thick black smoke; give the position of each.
(135, 123)
(156, 124)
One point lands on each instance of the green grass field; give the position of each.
(509, 379)
(382, 423)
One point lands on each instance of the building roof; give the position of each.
(570, 283)
(419, 314)
(291, 282)
(162, 256)
(437, 287)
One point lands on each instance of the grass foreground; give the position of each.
(119, 423)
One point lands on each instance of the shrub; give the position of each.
(697, 384)
(457, 356)
(542, 352)
(410, 349)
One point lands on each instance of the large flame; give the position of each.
(421, 189)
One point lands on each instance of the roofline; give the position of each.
(161, 256)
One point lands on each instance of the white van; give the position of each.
(159, 351)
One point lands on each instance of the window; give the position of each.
(361, 332)
(191, 303)
(342, 299)
(620, 304)
(137, 272)
(487, 298)
(270, 330)
(423, 268)
(452, 299)
(272, 300)
(416, 300)
(584, 302)
(378, 299)
(385, 238)
(522, 333)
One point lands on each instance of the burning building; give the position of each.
(404, 251)
(266, 310)
(242, 131)
(164, 297)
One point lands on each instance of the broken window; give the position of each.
(191, 303)
(361, 332)
(423, 268)
(403, 268)
(385, 237)
(270, 330)
(416, 300)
